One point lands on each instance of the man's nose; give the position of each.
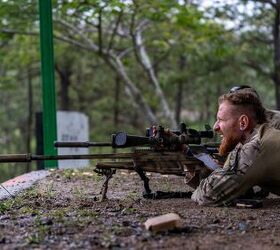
(216, 126)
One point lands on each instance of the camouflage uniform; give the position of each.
(273, 118)
(256, 162)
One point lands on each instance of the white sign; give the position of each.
(72, 127)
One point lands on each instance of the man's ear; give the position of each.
(244, 122)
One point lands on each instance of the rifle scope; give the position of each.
(122, 140)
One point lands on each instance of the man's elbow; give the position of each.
(203, 199)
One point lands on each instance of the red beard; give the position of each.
(228, 144)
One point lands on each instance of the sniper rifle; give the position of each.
(161, 151)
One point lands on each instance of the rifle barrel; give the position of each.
(85, 144)
(31, 157)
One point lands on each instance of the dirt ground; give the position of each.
(62, 211)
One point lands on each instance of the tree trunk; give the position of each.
(276, 39)
(64, 76)
(30, 115)
(207, 106)
(117, 100)
(179, 92)
(178, 101)
(130, 88)
(145, 61)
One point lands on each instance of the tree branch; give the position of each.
(114, 31)
(116, 64)
(145, 62)
(82, 35)
(99, 31)
(19, 32)
(258, 68)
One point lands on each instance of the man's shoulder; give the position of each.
(265, 128)
(273, 118)
(272, 112)
(268, 135)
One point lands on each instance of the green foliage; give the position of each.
(216, 58)
(6, 206)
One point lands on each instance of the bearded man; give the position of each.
(252, 148)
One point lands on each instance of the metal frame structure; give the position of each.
(48, 81)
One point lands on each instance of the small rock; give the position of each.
(47, 221)
(243, 226)
(164, 222)
(125, 223)
(2, 240)
(251, 218)
(37, 204)
(216, 221)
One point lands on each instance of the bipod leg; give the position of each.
(108, 175)
(144, 178)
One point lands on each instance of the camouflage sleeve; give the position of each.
(223, 185)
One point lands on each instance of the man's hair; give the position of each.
(246, 99)
(243, 88)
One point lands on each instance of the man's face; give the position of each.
(227, 125)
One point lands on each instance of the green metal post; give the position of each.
(48, 82)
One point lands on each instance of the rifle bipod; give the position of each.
(147, 194)
(144, 178)
(108, 173)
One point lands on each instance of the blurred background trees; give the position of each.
(128, 64)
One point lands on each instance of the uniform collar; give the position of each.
(253, 133)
